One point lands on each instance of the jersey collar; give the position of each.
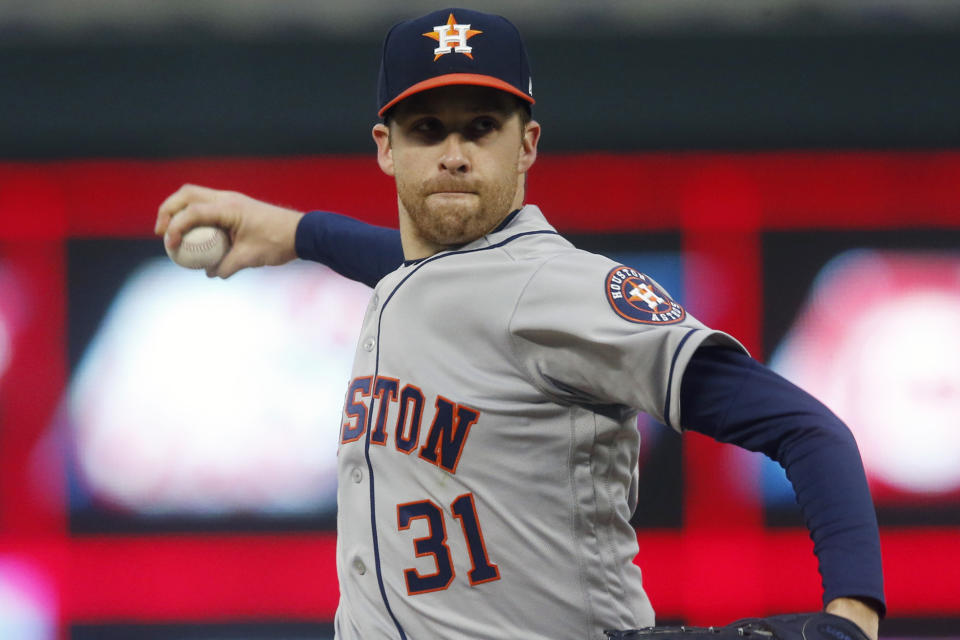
(512, 223)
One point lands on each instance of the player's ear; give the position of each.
(528, 146)
(381, 135)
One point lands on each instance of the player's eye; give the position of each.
(428, 128)
(481, 126)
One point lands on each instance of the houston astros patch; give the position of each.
(636, 297)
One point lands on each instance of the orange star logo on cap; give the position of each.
(452, 38)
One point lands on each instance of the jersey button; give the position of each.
(369, 343)
(356, 474)
(359, 567)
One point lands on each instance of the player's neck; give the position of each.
(415, 246)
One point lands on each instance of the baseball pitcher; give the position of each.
(488, 451)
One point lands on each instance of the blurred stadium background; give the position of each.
(789, 169)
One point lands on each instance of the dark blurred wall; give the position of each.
(199, 96)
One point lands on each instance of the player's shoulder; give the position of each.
(551, 258)
(576, 267)
(610, 288)
(526, 235)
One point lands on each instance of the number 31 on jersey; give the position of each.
(435, 544)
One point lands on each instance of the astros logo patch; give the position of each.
(452, 38)
(637, 298)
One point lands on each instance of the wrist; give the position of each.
(861, 612)
(287, 236)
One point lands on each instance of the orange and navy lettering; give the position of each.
(447, 434)
(407, 437)
(356, 410)
(445, 440)
(385, 392)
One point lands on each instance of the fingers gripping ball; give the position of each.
(200, 248)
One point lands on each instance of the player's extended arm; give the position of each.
(264, 234)
(352, 248)
(732, 398)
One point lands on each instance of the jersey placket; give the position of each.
(371, 345)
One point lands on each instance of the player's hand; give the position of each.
(260, 234)
(857, 611)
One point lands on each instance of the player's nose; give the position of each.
(453, 157)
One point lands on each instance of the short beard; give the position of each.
(453, 224)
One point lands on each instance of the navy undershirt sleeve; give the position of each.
(352, 248)
(730, 397)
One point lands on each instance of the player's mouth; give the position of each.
(451, 195)
(447, 187)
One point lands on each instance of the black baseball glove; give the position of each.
(793, 626)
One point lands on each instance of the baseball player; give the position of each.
(488, 453)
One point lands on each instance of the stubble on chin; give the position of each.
(455, 221)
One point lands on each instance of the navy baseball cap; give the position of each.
(452, 47)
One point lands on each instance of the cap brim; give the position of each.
(457, 79)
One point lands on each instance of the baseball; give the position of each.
(201, 248)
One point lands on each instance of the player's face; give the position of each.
(458, 155)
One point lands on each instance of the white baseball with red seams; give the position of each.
(201, 247)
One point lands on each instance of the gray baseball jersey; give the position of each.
(488, 454)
